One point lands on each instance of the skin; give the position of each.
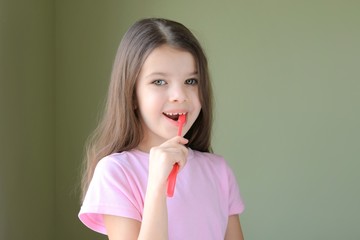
(167, 85)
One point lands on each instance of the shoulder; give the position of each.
(214, 163)
(121, 173)
(117, 188)
(209, 158)
(111, 163)
(208, 155)
(122, 164)
(122, 160)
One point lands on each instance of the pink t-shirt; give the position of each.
(206, 194)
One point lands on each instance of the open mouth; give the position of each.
(173, 116)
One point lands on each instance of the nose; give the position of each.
(178, 94)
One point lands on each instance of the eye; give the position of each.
(159, 82)
(191, 81)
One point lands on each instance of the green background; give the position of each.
(286, 78)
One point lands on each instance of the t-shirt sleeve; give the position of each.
(236, 204)
(109, 193)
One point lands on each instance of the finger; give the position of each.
(181, 157)
(175, 141)
(182, 164)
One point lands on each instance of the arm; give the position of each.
(155, 218)
(121, 227)
(154, 223)
(153, 226)
(233, 231)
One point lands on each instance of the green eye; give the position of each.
(159, 82)
(191, 81)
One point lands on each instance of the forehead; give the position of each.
(169, 60)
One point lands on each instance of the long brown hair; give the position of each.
(120, 128)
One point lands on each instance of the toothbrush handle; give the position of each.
(172, 176)
(172, 180)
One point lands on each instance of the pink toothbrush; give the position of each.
(174, 171)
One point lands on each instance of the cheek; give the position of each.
(196, 100)
(141, 97)
(148, 103)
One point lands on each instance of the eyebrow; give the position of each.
(165, 74)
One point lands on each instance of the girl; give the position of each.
(160, 72)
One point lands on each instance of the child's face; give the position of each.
(167, 85)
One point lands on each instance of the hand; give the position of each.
(162, 159)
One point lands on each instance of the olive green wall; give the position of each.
(27, 173)
(286, 80)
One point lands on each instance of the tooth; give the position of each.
(173, 114)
